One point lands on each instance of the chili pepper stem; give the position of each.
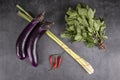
(58, 54)
(51, 69)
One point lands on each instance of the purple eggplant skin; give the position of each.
(32, 39)
(21, 41)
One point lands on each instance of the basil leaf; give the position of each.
(84, 35)
(90, 45)
(71, 13)
(78, 7)
(78, 37)
(91, 13)
(90, 29)
(91, 22)
(71, 22)
(79, 20)
(65, 36)
(105, 37)
(72, 28)
(89, 34)
(102, 28)
(82, 12)
(84, 21)
(95, 41)
(96, 26)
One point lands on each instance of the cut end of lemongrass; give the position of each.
(89, 69)
(23, 16)
(24, 11)
(17, 5)
(86, 66)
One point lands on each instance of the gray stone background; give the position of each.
(105, 63)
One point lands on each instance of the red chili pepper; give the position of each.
(59, 61)
(51, 59)
(54, 66)
(53, 62)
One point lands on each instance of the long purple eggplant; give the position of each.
(21, 41)
(32, 39)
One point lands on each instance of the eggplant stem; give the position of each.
(79, 59)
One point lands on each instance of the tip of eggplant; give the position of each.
(34, 64)
(21, 57)
(40, 17)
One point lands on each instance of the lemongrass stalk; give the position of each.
(20, 8)
(80, 60)
(24, 16)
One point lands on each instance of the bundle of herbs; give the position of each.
(83, 26)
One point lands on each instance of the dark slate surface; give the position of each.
(105, 63)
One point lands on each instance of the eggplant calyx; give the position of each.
(47, 25)
(40, 17)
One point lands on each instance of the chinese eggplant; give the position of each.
(21, 41)
(32, 39)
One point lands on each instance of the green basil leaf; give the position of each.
(72, 13)
(90, 45)
(78, 37)
(102, 28)
(90, 39)
(72, 28)
(84, 35)
(78, 30)
(84, 21)
(82, 12)
(90, 29)
(89, 34)
(105, 37)
(78, 7)
(95, 41)
(91, 13)
(96, 26)
(65, 35)
(79, 20)
(70, 22)
(91, 22)
(76, 23)
(98, 22)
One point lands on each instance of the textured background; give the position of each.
(105, 63)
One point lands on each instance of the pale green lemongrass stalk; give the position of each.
(21, 14)
(26, 13)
